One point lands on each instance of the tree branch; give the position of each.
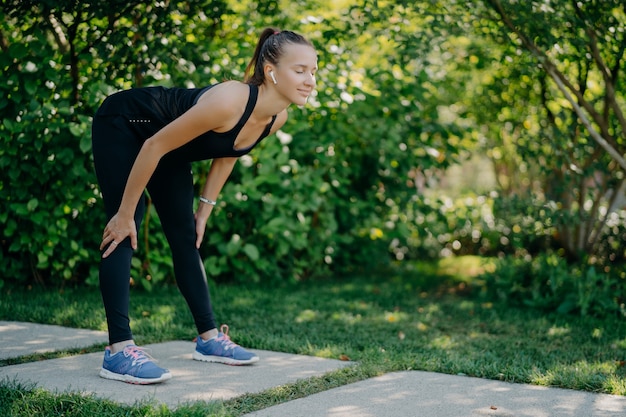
(544, 60)
(614, 199)
(618, 60)
(607, 76)
(565, 86)
(4, 45)
(593, 132)
(57, 32)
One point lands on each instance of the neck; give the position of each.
(269, 102)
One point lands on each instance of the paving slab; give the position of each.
(20, 339)
(416, 393)
(191, 380)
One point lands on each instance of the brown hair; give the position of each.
(270, 48)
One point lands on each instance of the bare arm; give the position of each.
(219, 172)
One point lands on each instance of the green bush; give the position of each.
(48, 219)
(274, 222)
(433, 227)
(549, 283)
(531, 269)
(292, 211)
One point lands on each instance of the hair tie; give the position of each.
(276, 32)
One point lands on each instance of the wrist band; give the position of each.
(207, 201)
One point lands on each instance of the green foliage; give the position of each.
(45, 155)
(293, 210)
(532, 269)
(549, 283)
(63, 59)
(470, 225)
(274, 223)
(405, 90)
(541, 147)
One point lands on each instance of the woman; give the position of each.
(146, 138)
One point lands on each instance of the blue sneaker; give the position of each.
(223, 350)
(132, 365)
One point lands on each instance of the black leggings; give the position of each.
(116, 143)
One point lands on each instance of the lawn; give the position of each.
(425, 317)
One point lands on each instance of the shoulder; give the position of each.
(221, 106)
(227, 92)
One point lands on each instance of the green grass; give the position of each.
(418, 319)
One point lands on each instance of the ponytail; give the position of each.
(270, 48)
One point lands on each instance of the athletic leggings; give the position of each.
(116, 142)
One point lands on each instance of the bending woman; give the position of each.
(146, 138)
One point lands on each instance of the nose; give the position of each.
(310, 81)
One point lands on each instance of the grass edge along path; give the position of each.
(415, 320)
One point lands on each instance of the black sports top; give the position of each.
(149, 109)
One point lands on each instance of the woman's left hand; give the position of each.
(200, 227)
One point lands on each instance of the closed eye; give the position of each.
(301, 69)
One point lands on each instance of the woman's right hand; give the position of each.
(116, 230)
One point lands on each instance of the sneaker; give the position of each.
(132, 365)
(223, 350)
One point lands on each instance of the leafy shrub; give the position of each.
(48, 216)
(275, 222)
(491, 225)
(434, 227)
(295, 210)
(549, 283)
(531, 269)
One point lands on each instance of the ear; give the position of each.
(267, 68)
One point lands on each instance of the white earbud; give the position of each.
(273, 78)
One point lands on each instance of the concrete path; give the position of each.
(399, 394)
(429, 394)
(21, 339)
(191, 380)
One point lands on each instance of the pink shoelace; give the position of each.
(139, 355)
(225, 339)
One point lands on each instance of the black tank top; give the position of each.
(149, 109)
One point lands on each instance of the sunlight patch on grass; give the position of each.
(165, 310)
(162, 314)
(360, 305)
(347, 318)
(597, 333)
(589, 376)
(555, 331)
(442, 342)
(395, 316)
(615, 384)
(476, 335)
(246, 301)
(422, 327)
(464, 268)
(306, 316)
(429, 310)
(327, 352)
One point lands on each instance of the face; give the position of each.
(295, 73)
